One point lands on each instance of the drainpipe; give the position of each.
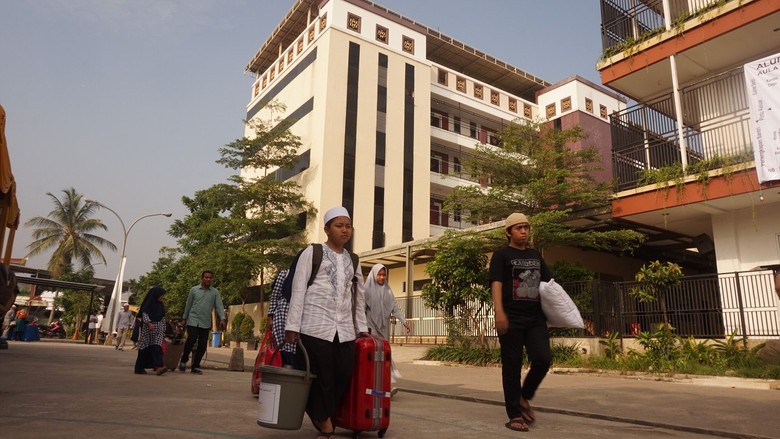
(676, 94)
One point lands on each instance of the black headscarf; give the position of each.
(152, 306)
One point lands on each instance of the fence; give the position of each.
(704, 306)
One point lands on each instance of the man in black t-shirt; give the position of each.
(515, 274)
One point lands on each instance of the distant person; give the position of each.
(92, 327)
(380, 305)
(515, 273)
(124, 322)
(99, 325)
(202, 301)
(328, 316)
(151, 333)
(277, 317)
(21, 324)
(9, 317)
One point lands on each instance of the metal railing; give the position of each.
(716, 118)
(704, 306)
(626, 22)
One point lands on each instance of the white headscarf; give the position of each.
(379, 303)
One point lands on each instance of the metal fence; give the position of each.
(704, 306)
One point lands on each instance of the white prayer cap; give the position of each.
(335, 212)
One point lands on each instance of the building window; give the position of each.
(513, 105)
(603, 111)
(281, 64)
(289, 56)
(477, 91)
(265, 80)
(566, 104)
(382, 34)
(256, 89)
(442, 77)
(550, 110)
(311, 34)
(408, 45)
(353, 22)
(494, 97)
(460, 84)
(272, 74)
(589, 105)
(527, 111)
(456, 123)
(300, 46)
(473, 130)
(323, 22)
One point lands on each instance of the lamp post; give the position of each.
(116, 294)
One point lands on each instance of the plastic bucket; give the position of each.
(216, 339)
(284, 391)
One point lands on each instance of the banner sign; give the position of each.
(763, 86)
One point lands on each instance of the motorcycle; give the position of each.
(54, 330)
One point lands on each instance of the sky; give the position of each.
(128, 101)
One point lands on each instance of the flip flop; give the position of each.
(517, 424)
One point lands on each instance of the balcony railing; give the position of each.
(715, 117)
(464, 128)
(705, 306)
(452, 168)
(627, 22)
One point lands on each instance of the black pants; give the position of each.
(332, 362)
(202, 336)
(536, 341)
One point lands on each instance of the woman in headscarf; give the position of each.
(152, 332)
(380, 305)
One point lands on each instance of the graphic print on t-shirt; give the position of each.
(526, 275)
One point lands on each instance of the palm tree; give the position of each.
(68, 229)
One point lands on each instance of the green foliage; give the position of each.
(534, 171)
(75, 303)
(242, 328)
(655, 279)
(68, 229)
(611, 345)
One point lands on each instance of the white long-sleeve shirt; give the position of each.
(325, 308)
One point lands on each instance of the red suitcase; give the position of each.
(264, 357)
(366, 405)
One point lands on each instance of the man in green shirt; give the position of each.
(202, 301)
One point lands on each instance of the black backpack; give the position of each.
(316, 260)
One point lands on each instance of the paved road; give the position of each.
(67, 390)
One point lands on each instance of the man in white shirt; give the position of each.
(322, 316)
(124, 322)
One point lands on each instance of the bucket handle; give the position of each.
(305, 356)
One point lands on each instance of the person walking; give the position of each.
(515, 274)
(277, 318)
(152, 332)
(91, 327)
(327, 317)
(123, 323)
(7, 319)
(380, 305)
(202, 301)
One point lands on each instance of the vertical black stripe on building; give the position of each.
(378, 234)
(406, 224)
(350, 132)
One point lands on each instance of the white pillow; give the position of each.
(560, 310)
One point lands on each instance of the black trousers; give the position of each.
(201, 335)
(332, 362)
(536, 341)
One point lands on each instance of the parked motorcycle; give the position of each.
(54, 330)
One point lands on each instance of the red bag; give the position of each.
(264, 355)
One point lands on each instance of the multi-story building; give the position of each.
(681, 62)
(387, 109)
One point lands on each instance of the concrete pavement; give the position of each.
(67, 390)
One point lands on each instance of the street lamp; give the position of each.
(116, 294)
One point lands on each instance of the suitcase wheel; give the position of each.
(382, 432)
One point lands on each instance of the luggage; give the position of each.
(264, 355)
(366, 405)
(172, 354)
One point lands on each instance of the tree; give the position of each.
(459, 285)
(68, 228)
(75, 303)
(242, 229)
(534, 171)
(655, 280)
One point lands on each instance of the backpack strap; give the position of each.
(316, 261)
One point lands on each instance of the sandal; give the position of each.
(326, 435)
(528, 414)
(517, 424)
